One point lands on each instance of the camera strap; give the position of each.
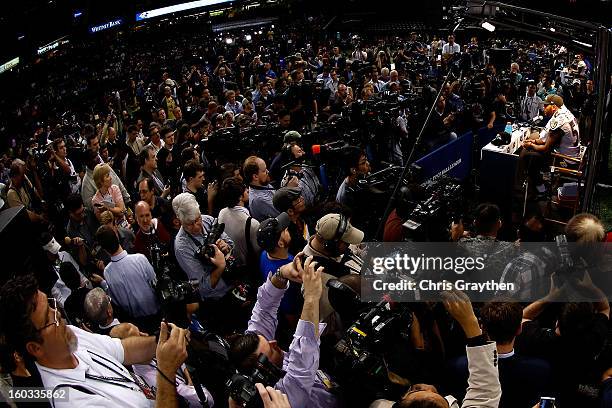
(195, 241)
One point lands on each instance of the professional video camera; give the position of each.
(362, 355)
(260, 140)
(172, 293)
(431, 217)
(242, 387)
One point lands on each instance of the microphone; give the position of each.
(328, 147)
(67, 241)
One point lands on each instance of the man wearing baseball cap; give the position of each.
(273, 237)
(291, 201)
(559, 135)
(561, 117)
(330, 247)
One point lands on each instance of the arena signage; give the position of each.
(105, 26)
(144, 15)
(9, 65)
(52, 45)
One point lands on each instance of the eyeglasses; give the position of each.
(53, 305)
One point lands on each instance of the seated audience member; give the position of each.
(150, 231)
(523, 379)
(130, 279)
(239, 225)
(303, 386)
(75, 360)
(561, 134)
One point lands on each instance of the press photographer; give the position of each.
(301, 379)
(33, 325)
(205, 262)
(294, 165)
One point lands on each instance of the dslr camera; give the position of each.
(242, 387)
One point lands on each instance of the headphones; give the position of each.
(331, 245)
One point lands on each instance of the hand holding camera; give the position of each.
(311, 278)
(459, 306)
(218, 260)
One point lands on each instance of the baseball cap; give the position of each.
(270, 230)
(284, 197)
(554, 100)
(328, 225)
(292, 136)
(52, 246)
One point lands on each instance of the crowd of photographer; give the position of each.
(208, 216)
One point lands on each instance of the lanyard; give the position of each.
(148, 392)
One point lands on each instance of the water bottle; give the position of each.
(508, 128)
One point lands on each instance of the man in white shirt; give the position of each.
(52, 249)
(87, 369)
(451, 47)
(531, 104)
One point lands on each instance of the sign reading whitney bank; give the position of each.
(105, 26)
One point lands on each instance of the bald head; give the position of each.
(143, 215)
(112, 134)
(423, 398)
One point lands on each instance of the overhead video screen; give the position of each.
(9, 65)
(144, 15)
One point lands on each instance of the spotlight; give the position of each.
(260, 32)
(488, 26)
(248, 37)
(228, 40)
(272, 25)
(583, 43)
(552, 29)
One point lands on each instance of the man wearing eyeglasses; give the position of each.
(87, 369)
